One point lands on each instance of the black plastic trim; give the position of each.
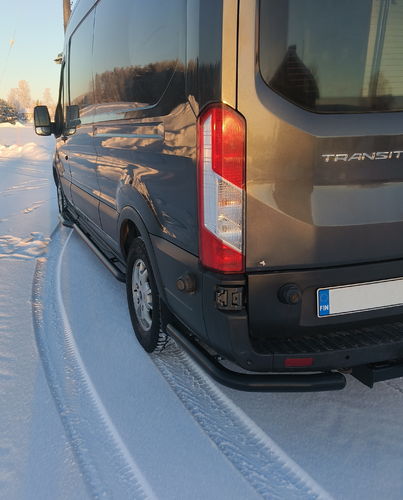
(329, 381)
(377, 372)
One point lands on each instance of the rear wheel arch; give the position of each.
(132, 226)
(128, 233)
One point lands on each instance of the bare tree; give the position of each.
(20, 98)
(24, 93)
(13, 99)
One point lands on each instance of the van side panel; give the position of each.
(80, 9)
(79, 148)
(204, 52)
(144, 126)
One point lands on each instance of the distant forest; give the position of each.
(141, 84)
(147, 84)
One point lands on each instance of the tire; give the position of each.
(63, 206)
(143, 299)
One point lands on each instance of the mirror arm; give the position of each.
(55, 130)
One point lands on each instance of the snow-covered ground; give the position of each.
(36, 458)
(85, 413)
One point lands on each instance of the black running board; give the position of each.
(117, 273)
(326, 381)
(66, 221)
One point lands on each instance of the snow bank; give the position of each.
(8, 125)
(20, 141)
(29, 151)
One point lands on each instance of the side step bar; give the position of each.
(102, 257)
(329, 381)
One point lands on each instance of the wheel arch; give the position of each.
(131, 226)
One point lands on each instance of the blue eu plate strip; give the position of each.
(324, 303)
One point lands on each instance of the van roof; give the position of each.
(80, 9)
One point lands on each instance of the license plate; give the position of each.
(358, 298)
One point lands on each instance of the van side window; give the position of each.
(135, 62)
(81, 89)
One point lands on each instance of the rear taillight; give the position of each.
(221, 184)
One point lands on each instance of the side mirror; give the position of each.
(72, 119)
(43, 125)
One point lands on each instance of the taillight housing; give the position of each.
(221, 160)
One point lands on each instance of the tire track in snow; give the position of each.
(267, 468)
(25, 186)
(262, 463)
(391, 384)
(108, 467)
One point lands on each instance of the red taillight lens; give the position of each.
(221, 179)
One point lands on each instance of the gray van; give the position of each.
(240, 165)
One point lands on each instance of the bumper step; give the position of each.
(346, 349)
(371, 336)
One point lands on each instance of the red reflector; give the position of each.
(298, 362)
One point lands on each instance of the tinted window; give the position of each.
(136, 50)
(334, 55)
(80, 66)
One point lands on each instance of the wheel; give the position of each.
(61, 200)
(63, 207)
(143, 299)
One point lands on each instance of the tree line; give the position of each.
(19, 104)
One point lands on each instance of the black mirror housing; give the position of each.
(43, 125)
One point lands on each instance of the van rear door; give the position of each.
(321, 88)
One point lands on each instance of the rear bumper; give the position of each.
(337, 350)
(330, 381)
(267, 332)
(229, 335)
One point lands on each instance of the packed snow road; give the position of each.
(139, 426)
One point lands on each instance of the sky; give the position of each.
(36, 28)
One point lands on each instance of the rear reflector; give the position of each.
(221, 184)
(298, 362)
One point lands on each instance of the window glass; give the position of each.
(334, 55)
(80, 69)
(136, 51)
